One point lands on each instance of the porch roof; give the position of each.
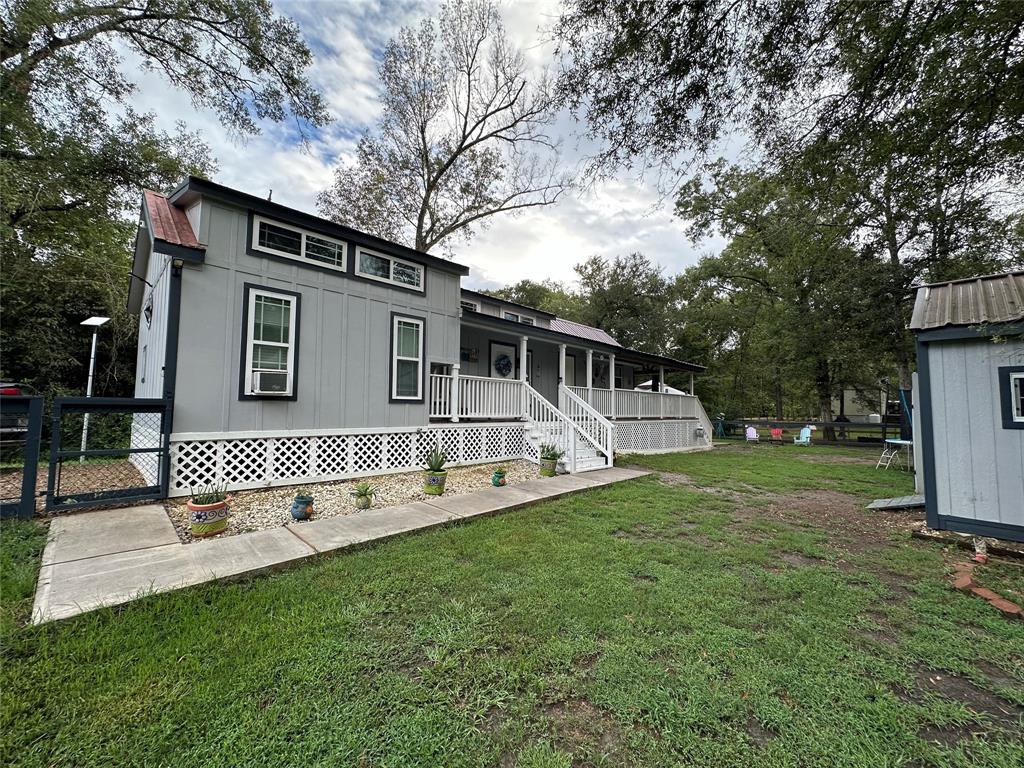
(622, 354)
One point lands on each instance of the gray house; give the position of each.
(294, 350)
(970, 412)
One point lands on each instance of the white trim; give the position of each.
(472, 305)
(1016, 390)
(289, 372)
(302, 257)
(391, 270)
(178, 437)
(395, 357)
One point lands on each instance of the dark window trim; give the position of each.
(515, 359)
(349, 273)
(391, 359)
(1006, 396)
(247, 288)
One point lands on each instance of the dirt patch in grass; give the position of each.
(997, 675)
(758, 733)
(799, 561)
(577, 723)
(1001, 712)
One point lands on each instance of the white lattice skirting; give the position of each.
(661, 436)
(263, 459)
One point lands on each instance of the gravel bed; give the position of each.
(269, 508)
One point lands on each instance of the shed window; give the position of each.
(406, 358)
(270, 343)
(388, 269)
(1011, 395)
(294, 243)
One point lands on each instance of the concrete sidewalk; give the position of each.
(110, 557)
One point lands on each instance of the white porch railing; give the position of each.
(636, 404)
(546, 424)
(600, 431)
(475, 397)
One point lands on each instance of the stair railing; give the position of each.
(599, 430)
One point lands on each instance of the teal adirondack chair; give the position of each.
(804, 438)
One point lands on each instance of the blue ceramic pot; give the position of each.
(302, 507)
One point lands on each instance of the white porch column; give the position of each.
(455, 392)
(523, 371)
(611, 380)
(561, 363)
(691, 382)
(590, 376)
(661, 391)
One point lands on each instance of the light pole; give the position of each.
(94, 323)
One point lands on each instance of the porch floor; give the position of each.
(111, 557)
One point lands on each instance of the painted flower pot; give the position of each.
(548, 467)
(208, 519)
(498, 479)
(302, 507)
(433, 482)
(363, 502)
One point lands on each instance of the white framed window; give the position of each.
(1017, 397)
(294, 243)
(406, 358)
(271, 320)
(387, 269)
(511, 316)
(527, 320)
(471, 305)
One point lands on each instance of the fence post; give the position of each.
(453, 398)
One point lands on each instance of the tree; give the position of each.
(627, 296)
(462, 136)
(74, 154)
(548, 295)
(914, 110)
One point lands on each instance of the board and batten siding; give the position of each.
(979, 465)
(152, 342)
(344, 339)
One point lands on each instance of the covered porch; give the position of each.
(499, 359)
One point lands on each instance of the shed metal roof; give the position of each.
(170, 223)
(975, 301)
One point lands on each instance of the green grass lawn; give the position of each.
(651, 623)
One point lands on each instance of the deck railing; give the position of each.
(636, 404)
(475, 397)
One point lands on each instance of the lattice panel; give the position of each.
(193, 463)
(367, 454)
(331, 455)
(650, 436)
(243, 461)
(264, 461)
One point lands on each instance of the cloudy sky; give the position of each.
(347, 36)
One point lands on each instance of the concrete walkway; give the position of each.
(110, 557)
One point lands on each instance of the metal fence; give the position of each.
(827, 432)
(21, 420)
(107, 451)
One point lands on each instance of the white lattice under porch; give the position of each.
(263, 459)
(661, 436)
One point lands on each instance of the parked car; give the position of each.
(14, 426)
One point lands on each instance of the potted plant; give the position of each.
(302, 507)
(498, 478)
(549, 456)
(364, 493)
(434, 473)
(208, 510)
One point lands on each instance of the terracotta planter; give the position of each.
(548, 467)
(302, 507)
(363, 502)
(208, 519)
(498, 479)
(433, 482)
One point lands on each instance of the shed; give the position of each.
(970, 358)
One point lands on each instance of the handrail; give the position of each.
(596, 427)
(557, 427)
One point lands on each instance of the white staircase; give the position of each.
(587, 438)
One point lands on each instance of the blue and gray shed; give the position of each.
(970, 357)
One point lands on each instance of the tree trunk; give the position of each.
(823, 384)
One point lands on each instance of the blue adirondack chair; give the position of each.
(804, 438)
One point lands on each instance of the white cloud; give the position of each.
(614, 217)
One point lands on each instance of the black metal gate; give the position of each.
(106, 451)
(21, 421)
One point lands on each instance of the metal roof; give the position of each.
(976, 301)
(582, 331)
(170, 223)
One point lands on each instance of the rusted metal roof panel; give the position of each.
(170, 223)
(977, 301)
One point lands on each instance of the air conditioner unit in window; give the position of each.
(269, 383)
